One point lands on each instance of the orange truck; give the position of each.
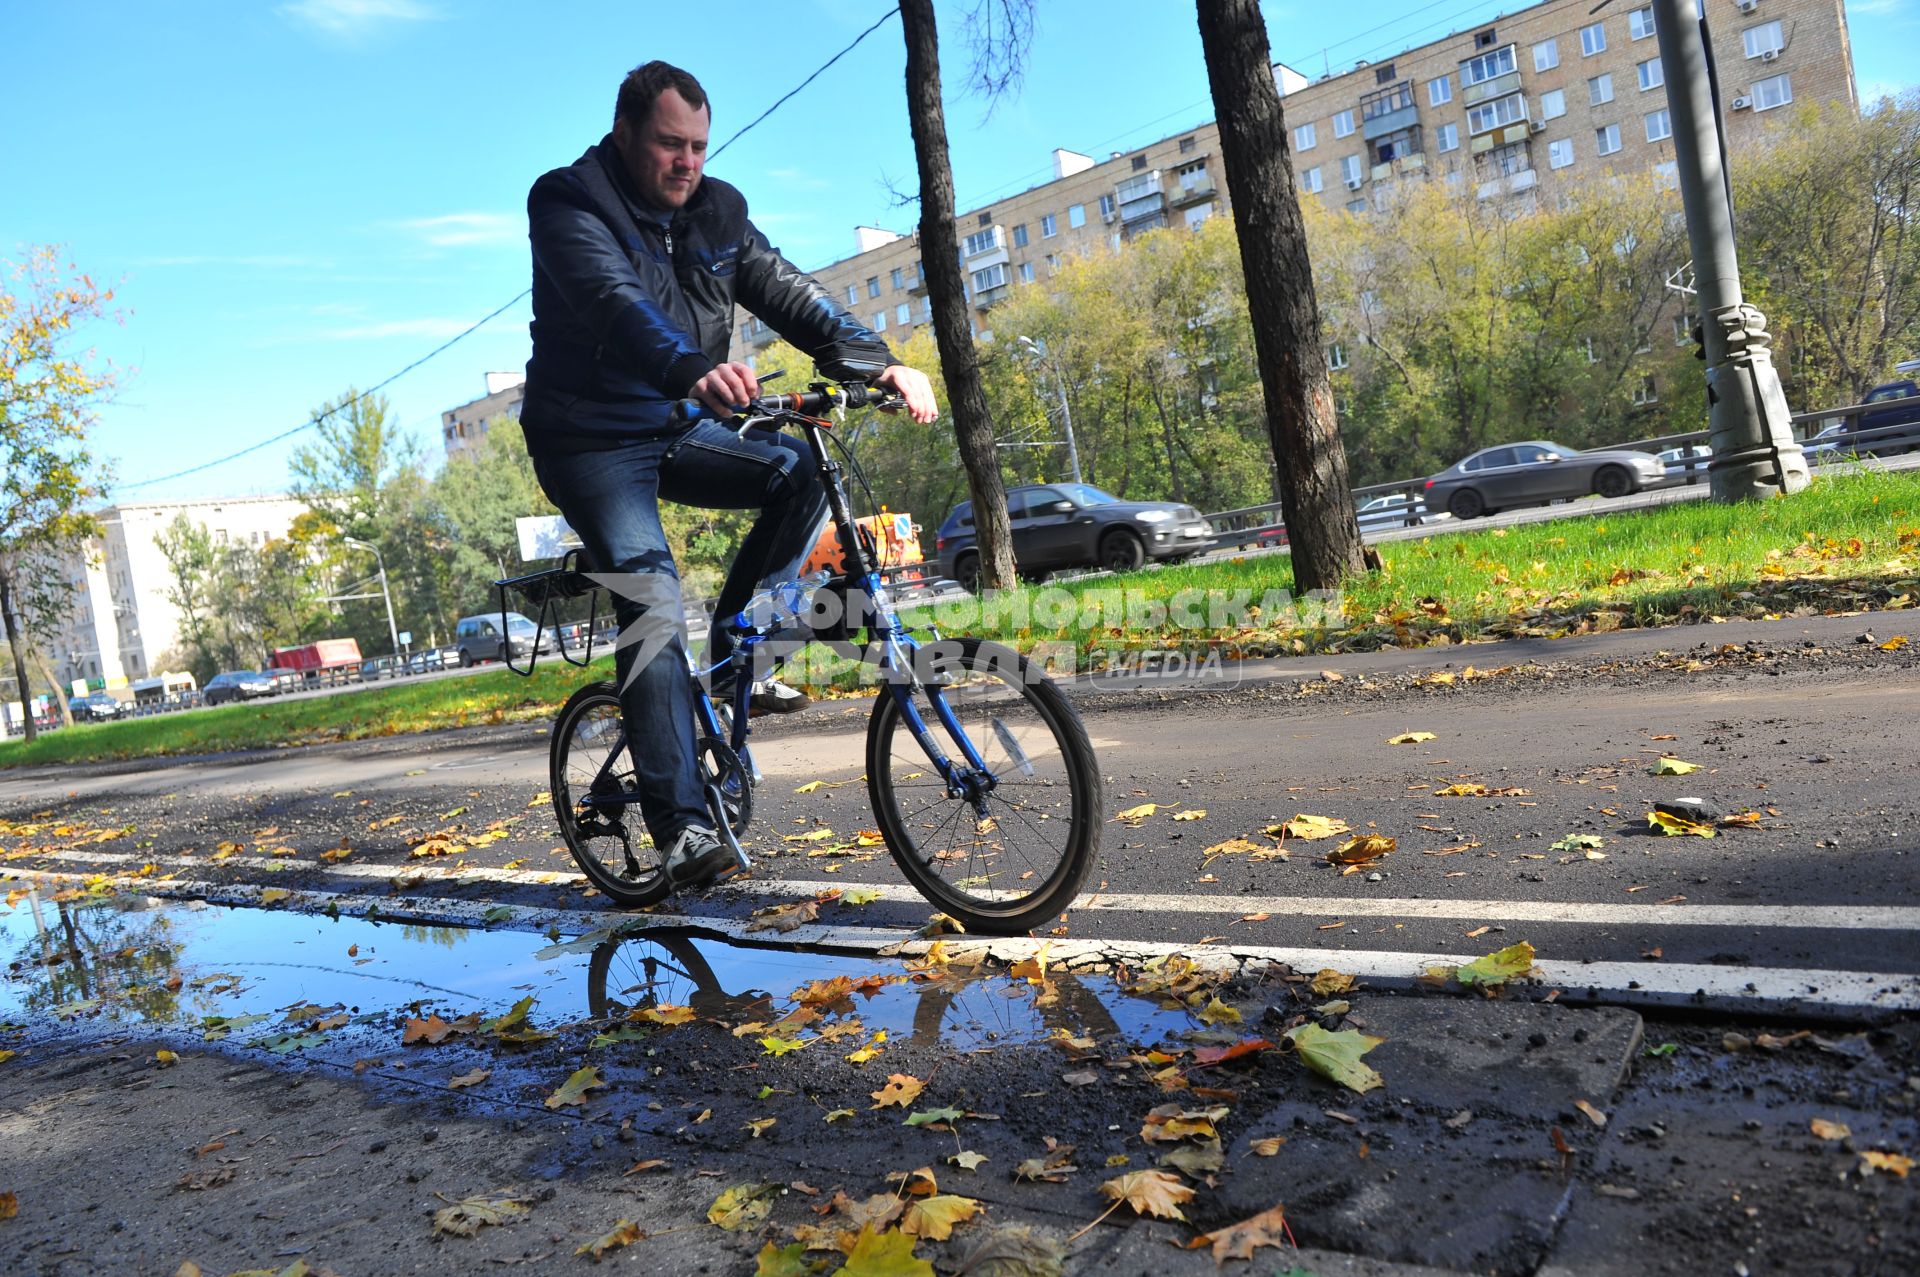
(894, 540)
(316, 660)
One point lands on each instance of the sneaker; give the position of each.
(771, 696)
(697, 857)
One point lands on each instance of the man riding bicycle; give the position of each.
(638, 262)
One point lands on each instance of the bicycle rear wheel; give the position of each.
(1013, 854)
(589, 756)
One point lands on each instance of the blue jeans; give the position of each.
(611, 498)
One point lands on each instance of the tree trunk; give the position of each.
(940, 266)
(1311, 463)
(18, 651)
(59, 691)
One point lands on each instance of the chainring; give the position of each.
(722, 768)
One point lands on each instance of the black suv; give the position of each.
(1076, 525)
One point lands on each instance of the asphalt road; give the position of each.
(1812, 907)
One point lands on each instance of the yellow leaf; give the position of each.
(1672, 767)
(467, 1217)
(1829, 1130)
(1892, 1163)
(574, 1089)
(7, 1055)
(1218, 1012)
(810, 787)
(934, 1217)
(665, 1013)
(968, 1159)
(839, 1115)
(165, 1059)
(1267, 1147)
(1410, 738)
(742, 1206)
(759, 1125)
(878, 1254)
(1310, 827)
(901, 1090)
(1239, 1241)
(1192, 813)
(623, 1233)
(9, 1205)
(1328, 982)
(1361, 848)
(1142, 812)
(812, 835)
(1336, 1056)
(859, 896)
(1894, 644)
(1156, 1193)
(274, 895)
(1674, 826)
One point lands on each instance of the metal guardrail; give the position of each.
(1248, 524)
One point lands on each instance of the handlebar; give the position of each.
(817, 402)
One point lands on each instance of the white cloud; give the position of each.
(441, 328)
(350, 18)
(459, 230)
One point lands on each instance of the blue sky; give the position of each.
(296, 198)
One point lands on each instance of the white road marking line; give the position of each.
(1791, 917)
(1619, 983)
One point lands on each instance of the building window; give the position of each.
(1187, 145)
(1383, 74)
(1440, 91)
(1772, 92)
(986, 218)
(1647, 392)
(873, 281)
(1682, 329)
(1053, 263)
(1640, 23)
(1342, 123)
(1553, 104)
(1606, 140)
(1593, 39)
(1305, 138)
(1763, 39)
(1487, 66)
(1546, 55)
(1106, 208)
(1350, 172)
(1560, 153)
(1496, 114)
(1049, 227)
(1077, 215)
(898, 278)
(1659, 125)
(903, 313)
(853, 294)
(993, 276)
(1651, 76)
(1356, 206)
(979, 242)
(879, 321)
(1026, 272)
(919, 272)
(1336, 357)
(1310, 181)
(1599, 90)
(1448, 137)
(1020, 235)
(1139, 162)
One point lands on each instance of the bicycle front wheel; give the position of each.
(1013, 853)
(589, 758)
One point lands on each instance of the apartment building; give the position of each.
(1552, 93)
(462, 428)
(122, 622)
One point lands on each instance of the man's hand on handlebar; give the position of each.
(731, 387)
(912, 385)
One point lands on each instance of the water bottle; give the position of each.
(793, 600)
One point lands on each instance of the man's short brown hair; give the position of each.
(644, 84)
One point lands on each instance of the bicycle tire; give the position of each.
(978, 677)
(682, 958)
(637, 878)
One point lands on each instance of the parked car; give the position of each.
(97, 707)
(1830, 443)
(479, 638)
(1535, 473)
(1075, 525)
(1686, 464)
(237, 685)
(375, 668)
(1898, 405)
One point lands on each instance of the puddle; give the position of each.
(286, 981)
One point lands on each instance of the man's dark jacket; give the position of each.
(630, 310)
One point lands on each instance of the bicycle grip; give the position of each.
(686, 411)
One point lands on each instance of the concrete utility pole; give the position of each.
(1754, 453)
(393, 631)
(1038, 349)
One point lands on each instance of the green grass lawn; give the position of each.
(1851, 542)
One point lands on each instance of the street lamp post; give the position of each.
(393, 631)
(1039, 351)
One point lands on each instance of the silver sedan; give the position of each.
(1534, 473)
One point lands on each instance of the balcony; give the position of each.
(1508, 135)
(981, 243)
(1138, 188)
(986, 299)
(1193, 192)
(1151, 222)
(1387, 111)
(1400, 166)
(1511, 184)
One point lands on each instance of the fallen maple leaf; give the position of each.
(967, 1159)
(1408, 738)
(1496, 968)
(742, 1206)
(1239, 1241)
(1894, 644)
(624, 1233)
(1674, 826)
(665, 1013)
(1192, 813)
(574, 1089)
(1154, 1193)
(274, 895)
(878, 1254)
(1336, 1056)
(901, 1090)
(466, 1217)
(1829, 1130)
(1310, 827)
(1361, 848)
(1892, 1163)
(784, 918)
(1142, 812)
(934, 1217)
(474, 1078)
(1328, 982)
(1668, 766)
(1268, 1146)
